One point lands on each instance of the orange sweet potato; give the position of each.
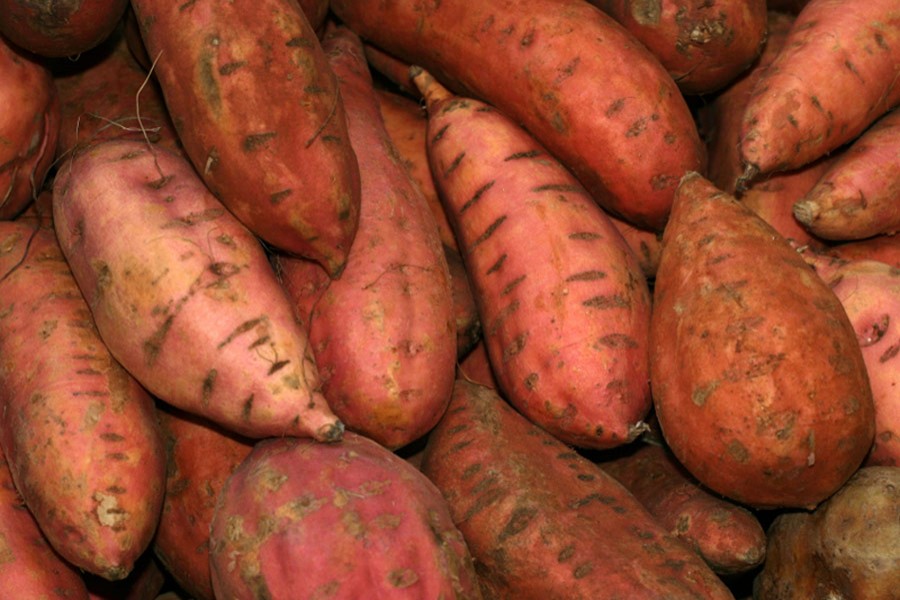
(183, 294)
(584, 87)
(61, 27)
(704, 45)
(79, 433)
(563, 302)
(258, 111)
(758, 381)
(542, 521)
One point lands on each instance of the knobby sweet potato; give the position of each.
(61, 27)
(29, 128)
(835, 75)
(259, 113)
(542, 521)
(384, 334)
(299, 519)
(183, 294)
(79, 433)
(758, 381)
(563, 302)
(583, 86)
(704, 45)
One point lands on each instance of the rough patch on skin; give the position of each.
(108, 511)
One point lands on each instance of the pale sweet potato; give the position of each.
(183, 294)
(758, 381)
(300, 519)
(61, 27)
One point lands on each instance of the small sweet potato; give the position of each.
(758, 380)
(60, 27)
(300, 519)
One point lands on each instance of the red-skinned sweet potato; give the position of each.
(29, 567)
(183, 294)
(79, 433)
(835, 75)
(29, 128)
(883, 248)
(60, 27)
(758, 381)
(646, 245)
(727, 536)
(563, 302)
(299, 519)
(704, 45)
(263, 123)
(542, 521)
(584, 87)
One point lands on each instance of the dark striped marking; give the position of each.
(513, 285)
(496, 266)
(476, 196)
(587, 276)
(487, 233)
(526, 154)
(454, 164)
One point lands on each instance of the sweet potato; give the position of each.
(563, 302)
(144, 582)
(704, 45)
(465, 310)
(883, 248)
(384, 334)
(758, 381)
(29, 128)
(541, 521)
(299, 519)
(835, 75)
(856, 197)
(201, 457)
(646, 245)
(476, 367)
(79, 433)
(727, 536)
(60, 27)
(29, 567)
(258, 111)
(846, 548)
(183, 294)
(584, 87)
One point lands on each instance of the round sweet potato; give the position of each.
(60, 27)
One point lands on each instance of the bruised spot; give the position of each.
(615, 107)
(702, 393)
(637, 128)
(402, 578)
(257, 140)
(531, 381)
(738, 451)
(518, 522)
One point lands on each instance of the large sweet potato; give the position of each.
(259, 113)
(299, 519)
(80, 434)
(59, 27)
(544, 522)
(563, 302)
(183, 294)
(758, 381)
(584, 87)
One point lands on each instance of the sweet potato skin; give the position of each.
(530, 510)
(79, 433)
(62, 27)
(883, 248)
(704, 45)
(184, 295)
(539, 62)
(263, 124)
(754, 355)
(362, 521)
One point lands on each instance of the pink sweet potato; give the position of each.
(259, 113)
(384, 333)
(583, 86)
(183, 294)
(563, 302)
(299, 519)
(542, 521)
(29, 128)
(60, 27)
(79, 433)
(883, 248)
(758, 381)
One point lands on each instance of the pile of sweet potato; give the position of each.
(551, 299)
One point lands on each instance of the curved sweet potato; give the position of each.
(61, 27)
(758, 381)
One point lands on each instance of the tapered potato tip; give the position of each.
(430, 88)
(806, 211)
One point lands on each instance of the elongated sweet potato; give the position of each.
(299, 519)
(646, 245)
(29, 128)
(79, 433)
(856, 197)
(542, 521)
(883, 248)
(61, 27)
(583, 86)
(758, 381)
(258, 111)
(835, 75)
(704, 45)
(183, 294)
(727, 536)
(29, 567)
(564, 304)
(384, 334)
